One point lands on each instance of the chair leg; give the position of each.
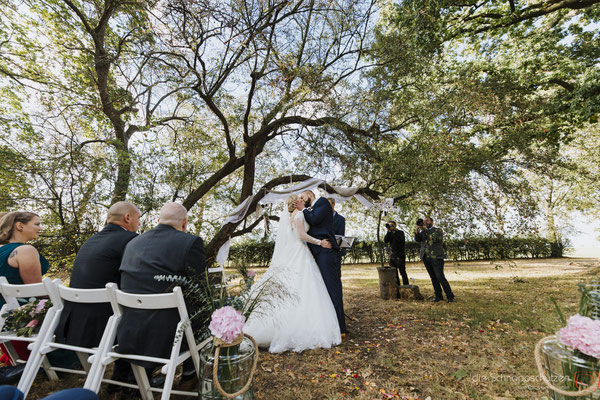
(95, 375)
(48, 369)
(30, 372)
(12, 353)
(169, 379)
(83, 359)
(143, 383)
(98, 368)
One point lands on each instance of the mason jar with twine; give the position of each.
(219, 344)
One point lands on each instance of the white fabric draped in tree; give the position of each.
(276, 196)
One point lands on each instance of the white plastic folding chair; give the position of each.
(85, 354)
(169, 365)
(11, 293)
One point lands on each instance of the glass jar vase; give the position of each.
(234, 370)
(592, 291)
(569, 370)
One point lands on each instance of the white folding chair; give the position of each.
(152, 302)
(11, 293)
(85, 354)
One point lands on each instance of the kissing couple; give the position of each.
(307, 265)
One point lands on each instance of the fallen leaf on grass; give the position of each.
(367, 372)
(460, 374)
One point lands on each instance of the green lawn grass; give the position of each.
(480, 347)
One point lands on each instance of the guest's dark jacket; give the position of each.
(339, 228)
(160, 251)
(320, 219)
(397, 242)
(432, 243)
(97, 263)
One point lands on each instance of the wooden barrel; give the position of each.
(387, 283)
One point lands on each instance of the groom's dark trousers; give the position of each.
(320, 218)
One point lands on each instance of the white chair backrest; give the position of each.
(148, 301)
(87, 296)
(84, 295)
(30, 290)
(153, 301)
(11, 292)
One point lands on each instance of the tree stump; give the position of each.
(408, 291)
(387, 283)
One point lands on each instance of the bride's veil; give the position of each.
(284, 239)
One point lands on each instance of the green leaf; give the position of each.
(460, 374)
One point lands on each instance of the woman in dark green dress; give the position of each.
(20, 263)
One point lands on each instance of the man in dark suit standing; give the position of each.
(432, 254)
(339, 226)
(320, 218)
(396, 240)
(165, 250)
(97, 263)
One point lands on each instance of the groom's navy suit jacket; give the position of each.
(320, 218)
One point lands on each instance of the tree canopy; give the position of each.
(481, 113)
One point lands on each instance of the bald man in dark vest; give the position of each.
(97, 263)
(165, 250)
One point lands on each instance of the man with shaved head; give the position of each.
(97, 263)
(165, 250)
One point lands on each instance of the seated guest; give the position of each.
(20, 263)
(97, 263)
(165, 250)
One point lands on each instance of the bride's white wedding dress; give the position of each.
(304, 318)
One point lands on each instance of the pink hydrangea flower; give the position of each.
(251, 274)
(40, 305)
(32, 324)
(226, 323)
(583, 334)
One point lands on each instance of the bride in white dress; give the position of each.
(305, 317)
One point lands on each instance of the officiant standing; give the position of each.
(339, 228)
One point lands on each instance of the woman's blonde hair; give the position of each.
(8, 221)
(290, 203)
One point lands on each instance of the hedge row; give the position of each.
(478, 248)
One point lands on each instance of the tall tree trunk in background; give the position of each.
(123, 172)
(379, 242)
(556, 248)
(499, 216)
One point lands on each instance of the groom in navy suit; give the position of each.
(320, 218)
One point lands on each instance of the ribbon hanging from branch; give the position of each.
(340, 194)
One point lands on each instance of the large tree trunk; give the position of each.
(379, 242)
(103, 60)
(556, 248)
(499, 217)
(123, 172)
